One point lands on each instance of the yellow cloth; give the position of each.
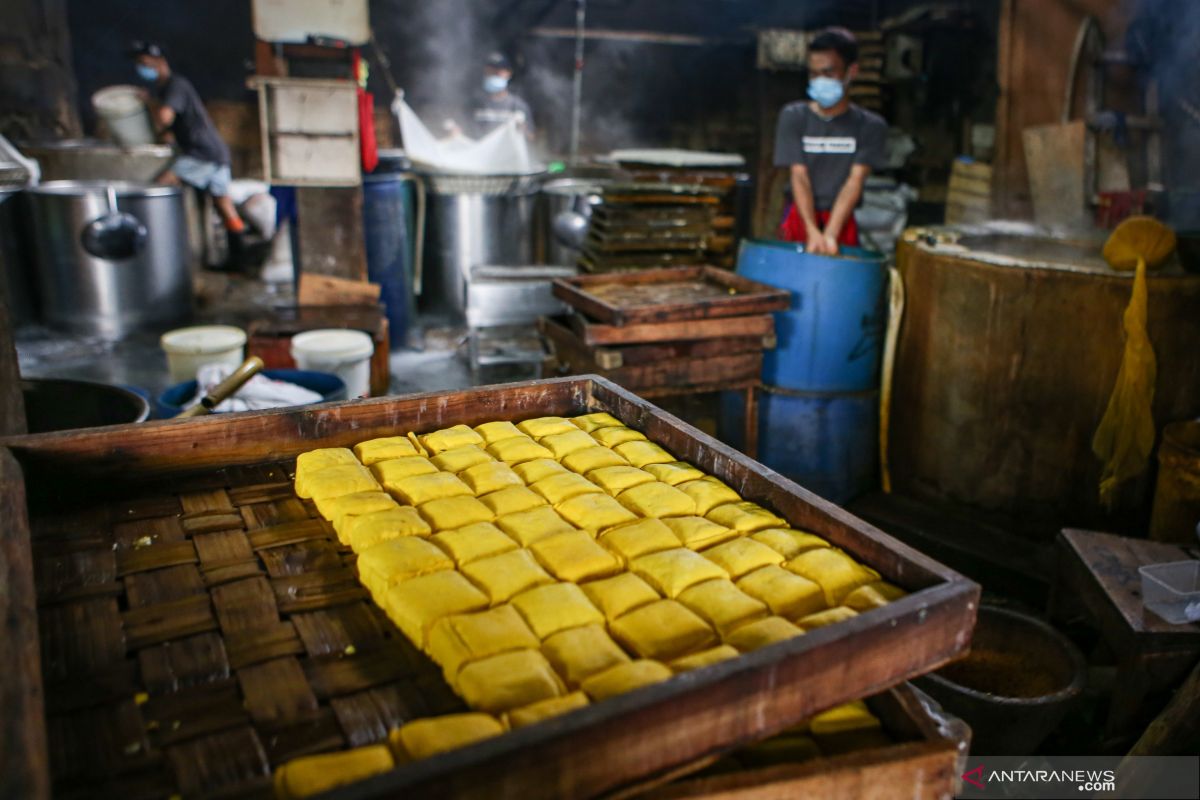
(449, 513)
(837, 573)
(611, 437)
(642, 453)
(722, 605)
(419, 489)
(545, 709)
(624, 678)
(329, 482)
(313, 460)
(368, 530)
(416, 604)
(619, 595)
(473, 542)
(384, 449)
(708, 493)
(761, 633)
(745, 517)
(590, 458)
(599, 419)
(526, 527)
(830, 616)
(396, 469)
(309, 775)
(704, 658)
(461, 458)
(564, 486)
(594, 512)
(463, 638)
(615, 480)
(423, 738)
(575, 557)
(511, 500)
(562, 444)
(505, 575)
(672, 571)
(578, 653)
(873, 595)
(396, 560)
(787, 542)
(698, 533)
(662, 630)
(450, 438)
(657, 499)
(742, 556)
(518, 449)
(353, 505)
(491, 476)
(533, 471)
(556, 607)
(785, 593)
(674, 472)
(634, 539)
(545, 426)
(496, 431)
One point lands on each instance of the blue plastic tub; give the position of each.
(831, 338)
(171, 402)
(827, 443)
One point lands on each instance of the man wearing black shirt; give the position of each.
(177, 109)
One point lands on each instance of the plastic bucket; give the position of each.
(125, 114)
(831, 337)
(345, 353)
(188, 349)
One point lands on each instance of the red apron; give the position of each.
(792, 228)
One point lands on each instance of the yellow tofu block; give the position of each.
(713, 655)
(388, 563)
(463, 638)
(599, 419)
(545, 709)
(787, 749)
(473, 542)
(533, 471)
(642, 453)
(787, 542)
(619, 595)
(640, 538)
(830, 616)
(594, 512)
(416, 604)
(698, 533)
(564, 486)
(873, 595)
(742, 556)
(511, 500)
(745, 516)
(354, 505)
(579, 653)
(503, 576)
(418, 489)
(375, 450)
(366, 531)
(852, 716)
(575, 557)
(396, 469)
(593, 458)
(672, 571)
(557, 607)
(624, 678)
(722, 605)
(313, 460)
(461, 458)
(449, 513)
(507, 681)
(611, 437)
(545, 426)
(662, 630)
(328, 482)
(491, 476)
(782, 592)
(518, 449)
(450, 438)
(526, 527)
(562, 444)
(837, 573)
(310, 775)
(674, 472)
(423, 738)
(762, 633)
(615, 480)
(497, 431)
(657, 499)
(708, 493)
(416, 441)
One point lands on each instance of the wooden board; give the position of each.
(594, 333)
(668, 295)
(121, 473)
(558, 329)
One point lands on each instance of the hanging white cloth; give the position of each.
(503, 151)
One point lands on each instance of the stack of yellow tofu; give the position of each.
(555, 562)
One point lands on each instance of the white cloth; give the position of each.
(503, 151)
(258, 393)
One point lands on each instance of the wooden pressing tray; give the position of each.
(595, 333)
(199, 625)
(668, 295)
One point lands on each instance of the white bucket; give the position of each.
(125, 114)
(343, 352)
(188, 349)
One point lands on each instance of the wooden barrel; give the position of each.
(1176, 516)
(1006, 358)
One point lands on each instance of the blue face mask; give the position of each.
(828, 92)
(147, 73)
(493, 84)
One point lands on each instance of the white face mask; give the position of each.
(493, 84)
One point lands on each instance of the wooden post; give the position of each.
(12, 405)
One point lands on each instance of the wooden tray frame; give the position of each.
(598, 749)
(752, 298)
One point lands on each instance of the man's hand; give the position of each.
(831, 243)
(818, 243)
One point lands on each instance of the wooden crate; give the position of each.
(199, 625)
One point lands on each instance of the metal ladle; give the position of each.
(115, 236)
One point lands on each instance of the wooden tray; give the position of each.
(149, 536)
(559, 330)
(595, 333)
(669, 295)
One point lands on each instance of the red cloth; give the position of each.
(366, 119)
(792, 228)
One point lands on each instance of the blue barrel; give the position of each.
(826, 442)
(387, 226)
(831, 338)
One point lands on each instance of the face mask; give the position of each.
(147, 73)
(493, 84)
(827, 92)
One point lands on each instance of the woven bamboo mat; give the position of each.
(194, 638)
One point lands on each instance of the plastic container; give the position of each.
(1172, 590)
(387, 206)
(831, 337)
(188, 349)
(343, 352)
(330, 387)
(125, 114)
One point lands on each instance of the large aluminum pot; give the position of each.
(563, 216)
(474, 220)
(93, 160)
(110, 285)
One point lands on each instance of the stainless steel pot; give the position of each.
(564, 210)
(110, 293)
(474, 220)
(93, 160)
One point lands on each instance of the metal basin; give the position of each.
(54, 404)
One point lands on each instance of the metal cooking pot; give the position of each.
(111, 257)
(54, 404)
(563, 216)
(93, 160)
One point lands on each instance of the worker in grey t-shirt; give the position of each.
(498, 104)
(831, 146)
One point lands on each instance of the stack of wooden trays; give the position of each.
(646, 225)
